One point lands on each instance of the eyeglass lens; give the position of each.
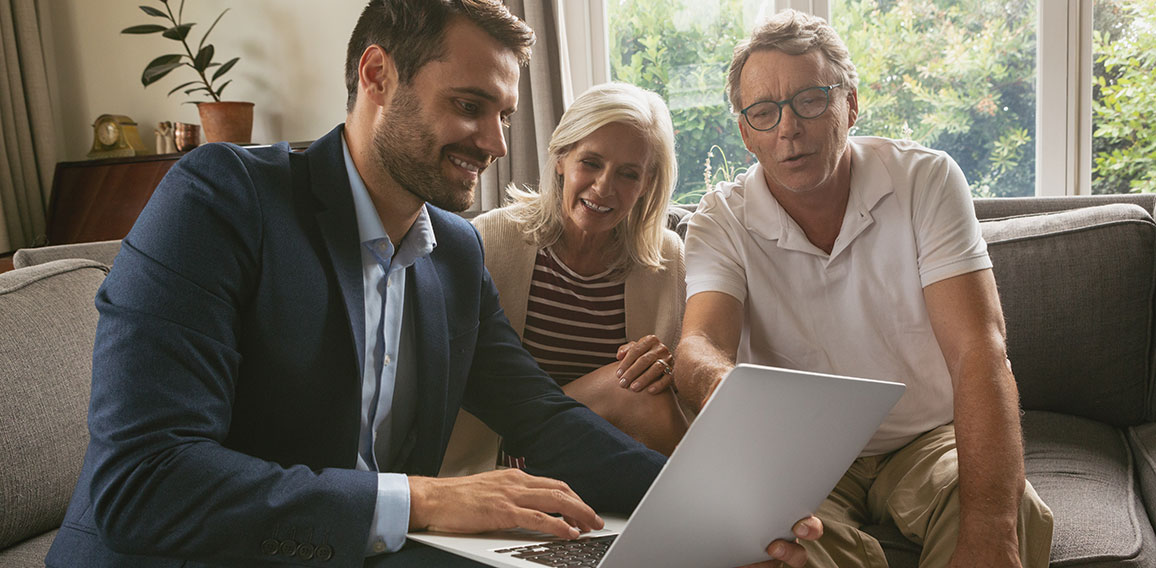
(808, 103)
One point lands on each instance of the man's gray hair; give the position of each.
(793, 33)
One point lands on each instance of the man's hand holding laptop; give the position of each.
(511, 498)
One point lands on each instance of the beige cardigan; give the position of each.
(654, 304)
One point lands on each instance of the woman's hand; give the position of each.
(645, 364)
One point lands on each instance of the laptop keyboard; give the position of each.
(585, 552)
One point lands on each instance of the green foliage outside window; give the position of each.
(1124, 97)
(681, 51)
(958, 76)
(955, 75)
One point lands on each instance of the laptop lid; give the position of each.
(764, 452)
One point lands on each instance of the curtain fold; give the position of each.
(27, 131)
(539, 108)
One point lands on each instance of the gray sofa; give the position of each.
(1076, 276)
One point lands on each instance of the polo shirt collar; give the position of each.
(766, 218)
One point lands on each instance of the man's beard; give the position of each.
(407, 150)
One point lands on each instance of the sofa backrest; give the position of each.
(1077, 293)
(47, 326)
(101, 251)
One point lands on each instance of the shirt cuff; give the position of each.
(390, 514)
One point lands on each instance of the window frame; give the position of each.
(1063, 86)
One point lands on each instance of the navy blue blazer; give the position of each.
(227, 375)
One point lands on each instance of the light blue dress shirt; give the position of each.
(387, 408)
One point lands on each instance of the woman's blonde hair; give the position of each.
(637, 241)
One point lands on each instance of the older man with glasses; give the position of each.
(862, 256)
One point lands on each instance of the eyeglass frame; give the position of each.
(791, 103)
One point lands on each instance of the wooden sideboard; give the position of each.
(99, 200)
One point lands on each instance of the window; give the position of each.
(1030, 97)
(681, 49)
(956, 76)
(1124, 96)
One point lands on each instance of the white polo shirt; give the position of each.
(858, 311)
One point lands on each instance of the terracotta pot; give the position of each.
(227, 121)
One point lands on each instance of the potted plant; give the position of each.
(223, 121)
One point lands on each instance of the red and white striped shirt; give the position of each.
(574, 323)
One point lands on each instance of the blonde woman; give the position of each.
(588, 274)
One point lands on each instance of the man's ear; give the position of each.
(376, 76)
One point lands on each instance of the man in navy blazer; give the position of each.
(235, 384)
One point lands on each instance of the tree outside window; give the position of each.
(955, 75)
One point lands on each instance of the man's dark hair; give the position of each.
(412, 32)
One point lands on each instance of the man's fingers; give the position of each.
(810, 528)
(789, 553)
(541, 522)
(569, 506)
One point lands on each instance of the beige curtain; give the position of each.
(539, 108)
(27, 144)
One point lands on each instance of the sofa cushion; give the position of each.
(1143, 439)
(1076, 288)
(29, 553)
(1084, 471)
(47, 326)
(102, 251)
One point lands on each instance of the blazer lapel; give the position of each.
(337, 223)
(433, 354)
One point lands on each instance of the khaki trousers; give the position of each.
(914, 488)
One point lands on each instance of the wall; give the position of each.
(292, 65)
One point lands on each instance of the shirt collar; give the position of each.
(418, 242)
(870, 183)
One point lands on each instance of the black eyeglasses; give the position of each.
(808, 103)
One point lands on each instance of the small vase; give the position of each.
(227, 121)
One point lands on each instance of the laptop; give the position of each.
(765, 451)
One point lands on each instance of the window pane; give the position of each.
(1124, 96)
(954, 75)
(681, 49)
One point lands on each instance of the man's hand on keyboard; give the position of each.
(497, 500)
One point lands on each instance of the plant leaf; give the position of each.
(203, 58)
(223, 87)
(225, 68)
(159, 67)
(170, 58)
(144, 29)
(181, 86)
(178, 33)
(154, 12)
(211, 26)
(191, 91)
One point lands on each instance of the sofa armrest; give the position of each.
(1143, 440)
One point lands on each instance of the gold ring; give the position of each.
(666, 368)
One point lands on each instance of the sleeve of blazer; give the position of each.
(559, 437)
(165, 374)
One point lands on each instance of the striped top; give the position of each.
(574, 323)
